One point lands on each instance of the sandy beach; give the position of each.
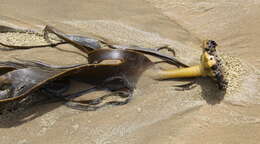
(158, 114)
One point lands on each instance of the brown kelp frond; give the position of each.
(19, 83)
(18, 80)
(45, 65)
(153, 52)
(10, 66)
(23, 81)
(186, 86)
(129, 69)
(94, 104)
(167, 48)
(85, 44)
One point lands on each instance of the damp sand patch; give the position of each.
(234, 71)
(25, 39)
(48, 54)
(22, 39)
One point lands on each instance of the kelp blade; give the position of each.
(24, 81)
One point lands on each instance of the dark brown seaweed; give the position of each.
(19, 80)
(23, 80)
(87, 45)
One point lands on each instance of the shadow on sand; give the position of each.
(28, 112)
(210, 93)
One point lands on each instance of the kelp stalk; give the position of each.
(210, 66)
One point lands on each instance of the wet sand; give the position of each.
(158, 113)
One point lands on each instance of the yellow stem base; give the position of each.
(193, 71)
